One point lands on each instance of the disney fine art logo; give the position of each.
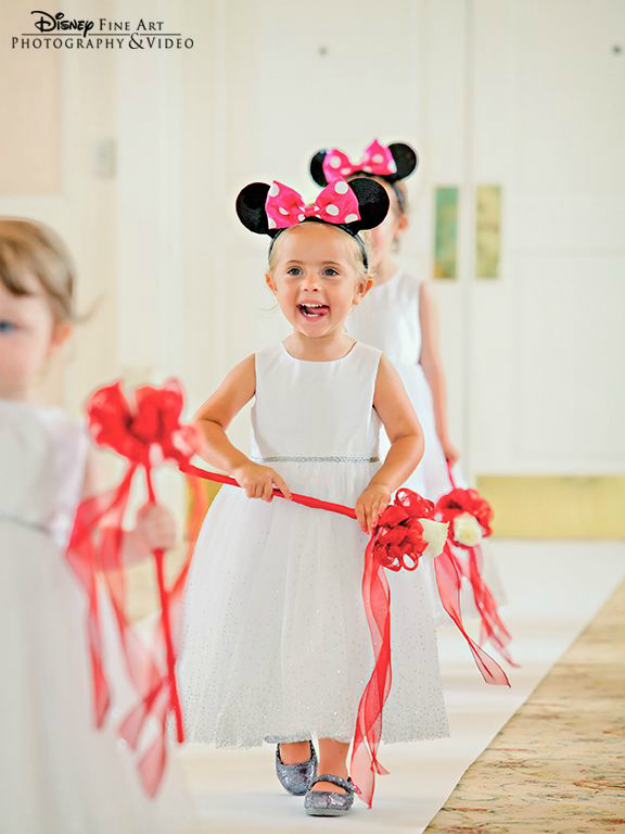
(55, 30)
(57, 22)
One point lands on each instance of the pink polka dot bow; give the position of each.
(377, 160)
(336, 203)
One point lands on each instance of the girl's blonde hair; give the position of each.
(29, 249)
(358, 261)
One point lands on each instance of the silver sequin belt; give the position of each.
(321, 459)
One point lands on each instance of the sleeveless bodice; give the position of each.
(315, 409)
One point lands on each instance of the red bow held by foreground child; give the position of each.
(398, 542)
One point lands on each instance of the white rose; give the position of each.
(467, 530)
(435, 534)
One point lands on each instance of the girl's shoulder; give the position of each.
(402, 290)
(268, 358)
(273, 350)
(368, 352)
(409, 283)
(51, 420)
(42, 443)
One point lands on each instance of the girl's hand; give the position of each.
(371, 504)
(156, 526)
(259, 481)
(450, 452)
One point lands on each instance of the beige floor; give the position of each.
(555, 590)
(557, 766)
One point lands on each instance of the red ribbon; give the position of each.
(396, 544)
(449, 506)
(145, 433)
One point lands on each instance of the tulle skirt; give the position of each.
(57, 774)
(276, 644)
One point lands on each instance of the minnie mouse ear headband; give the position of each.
(270, 209)
(388, 162)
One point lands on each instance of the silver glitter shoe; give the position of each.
(295, 778)
(329, 803)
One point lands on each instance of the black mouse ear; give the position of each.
(250, 207)
(406, 161)
(373, 203)
(316, 168)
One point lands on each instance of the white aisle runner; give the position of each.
(554, 590)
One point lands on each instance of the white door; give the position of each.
(547, 122)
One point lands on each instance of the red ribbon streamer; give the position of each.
(469, 501)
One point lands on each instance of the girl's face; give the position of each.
(28, 337)
(315, 278)
(392, 227)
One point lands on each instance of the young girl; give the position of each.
(276, 645)
(399, 317)
(57, 774)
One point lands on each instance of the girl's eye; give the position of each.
(330, 272)
(294, 270)
(6, 326)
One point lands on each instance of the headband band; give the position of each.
(350, 232)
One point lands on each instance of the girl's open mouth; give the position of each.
(313, 311)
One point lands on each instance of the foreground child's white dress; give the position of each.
(276, 644)
(389, 318)
(57, 775)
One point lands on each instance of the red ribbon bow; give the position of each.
(397, 543)
(336, 203)
(145, 432)
(377, 160)
(452, 568)
(465, 501)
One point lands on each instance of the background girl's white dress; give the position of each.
(57, 774)
(389, 318)
(276, 643)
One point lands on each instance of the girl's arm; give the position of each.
(433, 368)
(403, 429)
(213, 418)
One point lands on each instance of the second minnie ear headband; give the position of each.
(360, 204)
(390, 163)
(270, 209)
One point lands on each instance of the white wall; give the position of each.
(548, 339)
(522, 94)
(79, 201)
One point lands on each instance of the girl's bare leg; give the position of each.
(332, 759)
(295, 752)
